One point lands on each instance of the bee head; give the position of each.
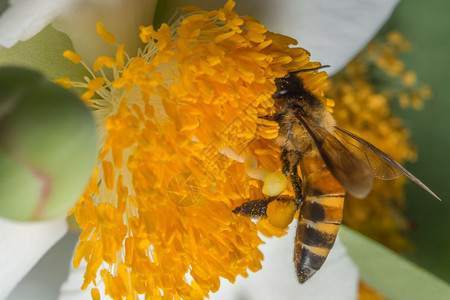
(291, 85)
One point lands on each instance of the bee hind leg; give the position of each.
(254, 208)
(285, 162)
(258, 208)
(297, 185)
(274, 117)
(290, 161)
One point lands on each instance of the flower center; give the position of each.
(158, 210)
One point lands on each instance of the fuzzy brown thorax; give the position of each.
(292, 99)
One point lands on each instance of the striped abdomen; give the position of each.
(320, 215)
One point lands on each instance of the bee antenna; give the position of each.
(309, 70)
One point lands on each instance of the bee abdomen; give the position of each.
(324, 208)
(308, 260)
(318, 225)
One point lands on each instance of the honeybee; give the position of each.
(332, 161)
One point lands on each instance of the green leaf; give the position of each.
(3, 5)
(47, 146)
(389, 273)
(44, 53)
(161, 13)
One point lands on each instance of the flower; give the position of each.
(193, 139)
(196, 89)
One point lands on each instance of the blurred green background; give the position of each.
(426, 24)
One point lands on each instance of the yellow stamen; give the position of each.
(64, 82)
(108, 174)
(104, 61)
(72, 56)
(163, 37)
(146, 33)
(269, 230)
(96, 83)
(95, 294)
(106, 35)
(120, 57)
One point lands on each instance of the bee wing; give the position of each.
(350, 169)
(383, 166)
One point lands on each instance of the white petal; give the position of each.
(71, 289)
(24, 18)
(120, 17)
(337, 279)
(22, 245)
(45, 278)
(333, 31)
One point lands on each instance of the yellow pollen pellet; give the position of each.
(274, 184)
(280, 214)
(106, 35)
(72, 56)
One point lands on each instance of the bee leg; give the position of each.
(290, 161)
(274, 117)
(297, 185)
(286, 164)
(254, 208)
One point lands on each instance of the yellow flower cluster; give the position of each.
(364, 108)
(175, 122)
(386, 55)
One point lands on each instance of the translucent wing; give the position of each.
(383, 166)
(349, 168)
